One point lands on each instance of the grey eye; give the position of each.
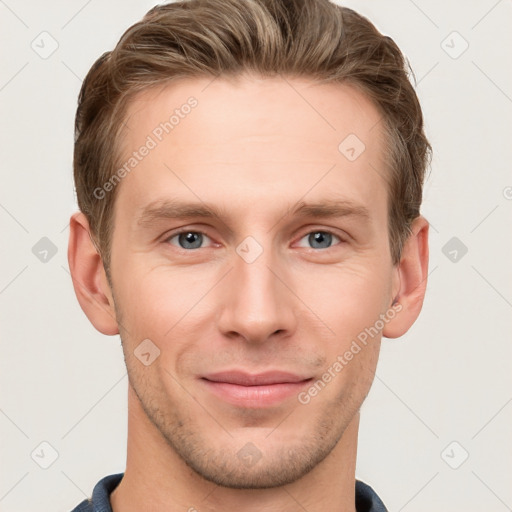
(188, 239)
(319, 239)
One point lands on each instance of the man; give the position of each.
(249, 175)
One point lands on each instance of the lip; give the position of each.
(254, 390)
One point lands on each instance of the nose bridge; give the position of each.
(257, 304)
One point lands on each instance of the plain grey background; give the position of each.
(435, 429)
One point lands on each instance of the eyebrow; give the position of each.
(174, 209)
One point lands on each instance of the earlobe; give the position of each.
(88, 276)
(412, 276)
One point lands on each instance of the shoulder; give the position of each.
(100, 500)
(367, 499)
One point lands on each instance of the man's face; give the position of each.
(259, 288)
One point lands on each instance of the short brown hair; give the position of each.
(314, 39)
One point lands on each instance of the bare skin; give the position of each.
(255, 150)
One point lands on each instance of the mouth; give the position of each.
(254, 390)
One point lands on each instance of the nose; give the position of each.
(256, 301)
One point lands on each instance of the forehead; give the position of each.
(254, 107)
(253, 139)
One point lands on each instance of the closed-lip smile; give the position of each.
(254, 390)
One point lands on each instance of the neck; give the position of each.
(157, 479)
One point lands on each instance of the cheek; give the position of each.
(160, 303)
(347, 297)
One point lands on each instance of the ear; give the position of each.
(89, 279)
(412, 271)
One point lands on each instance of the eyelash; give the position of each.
(182, 231)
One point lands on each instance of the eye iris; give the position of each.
(320, 237)
(190, 240)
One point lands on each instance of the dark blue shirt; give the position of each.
(366, 498)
